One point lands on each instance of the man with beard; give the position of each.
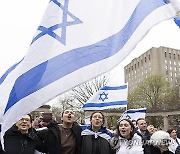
(62, 139)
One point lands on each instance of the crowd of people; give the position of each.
(132, 137)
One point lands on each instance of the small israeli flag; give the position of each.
(133, 114)
(108, 97)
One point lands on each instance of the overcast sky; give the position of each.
(19, 20)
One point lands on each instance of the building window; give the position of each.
(170, 68)
(169, 55)
(165, 61)
(174, 63)
(129, 69)
(138, 64)
(145, 59)
(132, 68)
(149, 57)
(171, 74)
(175, 68)
(166, 67)
(169, 62)
(174, 56)
(135, 66)
(175, 74)
(165, 54)
(167, 79)
(171, 79)
(167, 72)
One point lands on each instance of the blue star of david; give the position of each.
(103, 96)
(128, 117)
(63, 25)
(166, 1)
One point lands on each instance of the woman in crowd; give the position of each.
(127, 140)
(175, 140)
(159, 143)
(95, 138)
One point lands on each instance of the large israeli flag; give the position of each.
(75, 42)
(107, 98)
(133, 114)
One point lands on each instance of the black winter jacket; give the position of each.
(177, 150)
(17, 143)
(150, 149)
(144, 137)
(92, 145)
(52, 141)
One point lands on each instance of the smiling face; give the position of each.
(68, 117)
(125, 129)
(24, 124)
(173, 134)
(142, 125)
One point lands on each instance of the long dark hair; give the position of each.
(132, 126)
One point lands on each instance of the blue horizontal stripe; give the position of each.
(8, 71)
(114, 88)
(135, 111)
(66, 63)
(105, 104)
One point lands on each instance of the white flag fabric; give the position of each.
(108, 98)
(133, 114)
(75, 42)
(87, 120)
